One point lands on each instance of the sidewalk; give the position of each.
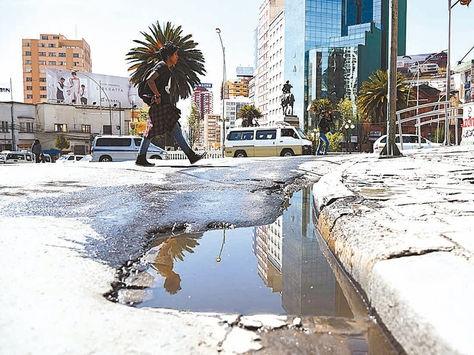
(404, 230)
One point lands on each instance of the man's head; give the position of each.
(83, 86)
(169, 53)
(74, 74)
(287, 81)
(62, 80)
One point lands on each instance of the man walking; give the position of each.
(324, 128)
(163, 114)
(37, 150)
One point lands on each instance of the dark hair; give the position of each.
(73, 73)
(61, 78)
(167, 50)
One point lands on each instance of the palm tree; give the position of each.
(190, 65)
(249, 115)
(372, 98)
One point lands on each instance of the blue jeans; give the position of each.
(323, 140)
(177, 135)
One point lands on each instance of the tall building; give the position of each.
(332, 46)
(268, 11)
(211, 131)
(202, 98)
(239, 87)
(50, 51)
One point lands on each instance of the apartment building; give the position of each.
(269, 10)
(211, 128)
(17, 133)
(50, 51)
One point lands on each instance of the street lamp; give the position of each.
(120, 117)
(448, 67)
(218, 31)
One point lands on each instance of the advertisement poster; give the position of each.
(78, 88)
(424, 66)
(468, 125)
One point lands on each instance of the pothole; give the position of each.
(280, 269)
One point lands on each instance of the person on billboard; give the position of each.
(163, 114)
(83, 94)
(60, 87)
(74, 87)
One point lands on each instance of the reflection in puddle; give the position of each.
(281, 268)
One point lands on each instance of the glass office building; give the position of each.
(332, 46)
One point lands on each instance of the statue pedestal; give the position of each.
(293, 120)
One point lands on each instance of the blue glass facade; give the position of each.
(331, 46)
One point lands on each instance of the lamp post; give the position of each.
(218, 31)
(448, 68)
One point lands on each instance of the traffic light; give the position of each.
(465, 2)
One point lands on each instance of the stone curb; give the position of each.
(427, 309)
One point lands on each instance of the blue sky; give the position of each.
(110, 26)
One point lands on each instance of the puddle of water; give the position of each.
(278, 268)
(281, 268)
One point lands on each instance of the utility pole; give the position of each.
(391, 150)
(13, 117)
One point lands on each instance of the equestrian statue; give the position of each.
(287, 99)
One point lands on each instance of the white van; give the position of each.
(121, 148)
(281, 140)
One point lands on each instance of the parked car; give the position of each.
(70, 158)
(410, 141)
(8, 157)
(122, 148)
(280, 140)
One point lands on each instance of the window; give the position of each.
(43, 80)
(138, 141)
(55, 37)
(26, 127)
(107, 129)
(29, 96)
(247, 135)
(51, 54)
(27, 44)
(29, 87)
(289, 132)
(42, 62)
(28, 78)
(76, 64)
(52, 62)
(42, 54)
(42, 45)
(28, 53)
(75, 55)
(51, 45)
(62, 63)
(43, 96)
(44, 37)
(86, 128)
(113, 142)
(266, 134)
(43, 88)
(62, 55)
(4, 127)
(27, 61)
(60, 127)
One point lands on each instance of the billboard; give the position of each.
(79, 88)
(423, 65)
(468, 125)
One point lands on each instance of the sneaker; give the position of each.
(141, 161)
(196, 157)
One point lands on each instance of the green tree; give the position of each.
(61, 142)
(249, 114)
(193, 124)
(372, 99)
(144, 57)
